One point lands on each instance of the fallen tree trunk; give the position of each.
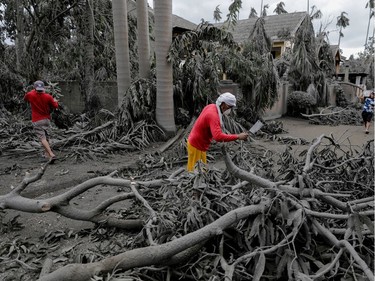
(238, 225)
(153, 255)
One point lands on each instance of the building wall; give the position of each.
(228, 86)
(352, 91)
(74, 100)
(280, 107)
(331, 95)
(107, 93)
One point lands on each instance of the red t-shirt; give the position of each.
(41, 104)
(206, 128)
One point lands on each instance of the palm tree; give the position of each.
(304, 68)
(234, 11)
(164, 77)
(143, 39)
(259, 90)
(342, 22)
(280, 9)
(120, 26)
(20, 35)
(370, 5)
(217, 14)
(199, 58)
(264, 12)
(253, 13)
(315, 13)
(88, 80)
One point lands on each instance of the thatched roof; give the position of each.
(284, 23)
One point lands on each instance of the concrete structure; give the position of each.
(228, 86)
(280, 107)
(74, 100)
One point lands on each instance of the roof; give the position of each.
(288, 22)
(334, 49)
(182, 23)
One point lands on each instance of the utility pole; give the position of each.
(308, 7)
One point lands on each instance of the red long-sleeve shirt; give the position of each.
(41, 104)
(206, 128)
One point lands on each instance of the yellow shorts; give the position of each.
(194, 155)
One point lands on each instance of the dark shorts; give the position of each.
(41, 128)
(367, 116)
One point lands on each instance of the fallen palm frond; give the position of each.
(82, 141)
(306, 215)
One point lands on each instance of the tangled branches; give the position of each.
(84, 141)
(335, 116)
(310, 217)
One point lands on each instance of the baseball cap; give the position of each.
(39, 85)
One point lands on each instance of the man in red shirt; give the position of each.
(208, 127)
(41, 104)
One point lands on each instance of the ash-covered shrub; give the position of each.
(300, 102)
(341, 100)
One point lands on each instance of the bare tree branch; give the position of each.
(152, 255)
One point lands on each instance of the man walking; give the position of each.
(41, 104)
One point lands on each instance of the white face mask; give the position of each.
(227, 112)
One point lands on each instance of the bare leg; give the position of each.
(47, 148)
(368, 126)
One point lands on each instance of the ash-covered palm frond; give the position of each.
(199, 59)
(138, 104)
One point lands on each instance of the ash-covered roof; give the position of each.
(274, 26)
(182, 23)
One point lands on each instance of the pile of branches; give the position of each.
(336, 116)
(87, 138)
(310, 217)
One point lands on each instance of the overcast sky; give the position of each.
(354, 35)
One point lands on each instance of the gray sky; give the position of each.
(354, 34)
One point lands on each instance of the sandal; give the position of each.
(52, 160)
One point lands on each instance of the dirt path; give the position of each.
(345, 134)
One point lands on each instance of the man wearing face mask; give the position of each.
(208, 127)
